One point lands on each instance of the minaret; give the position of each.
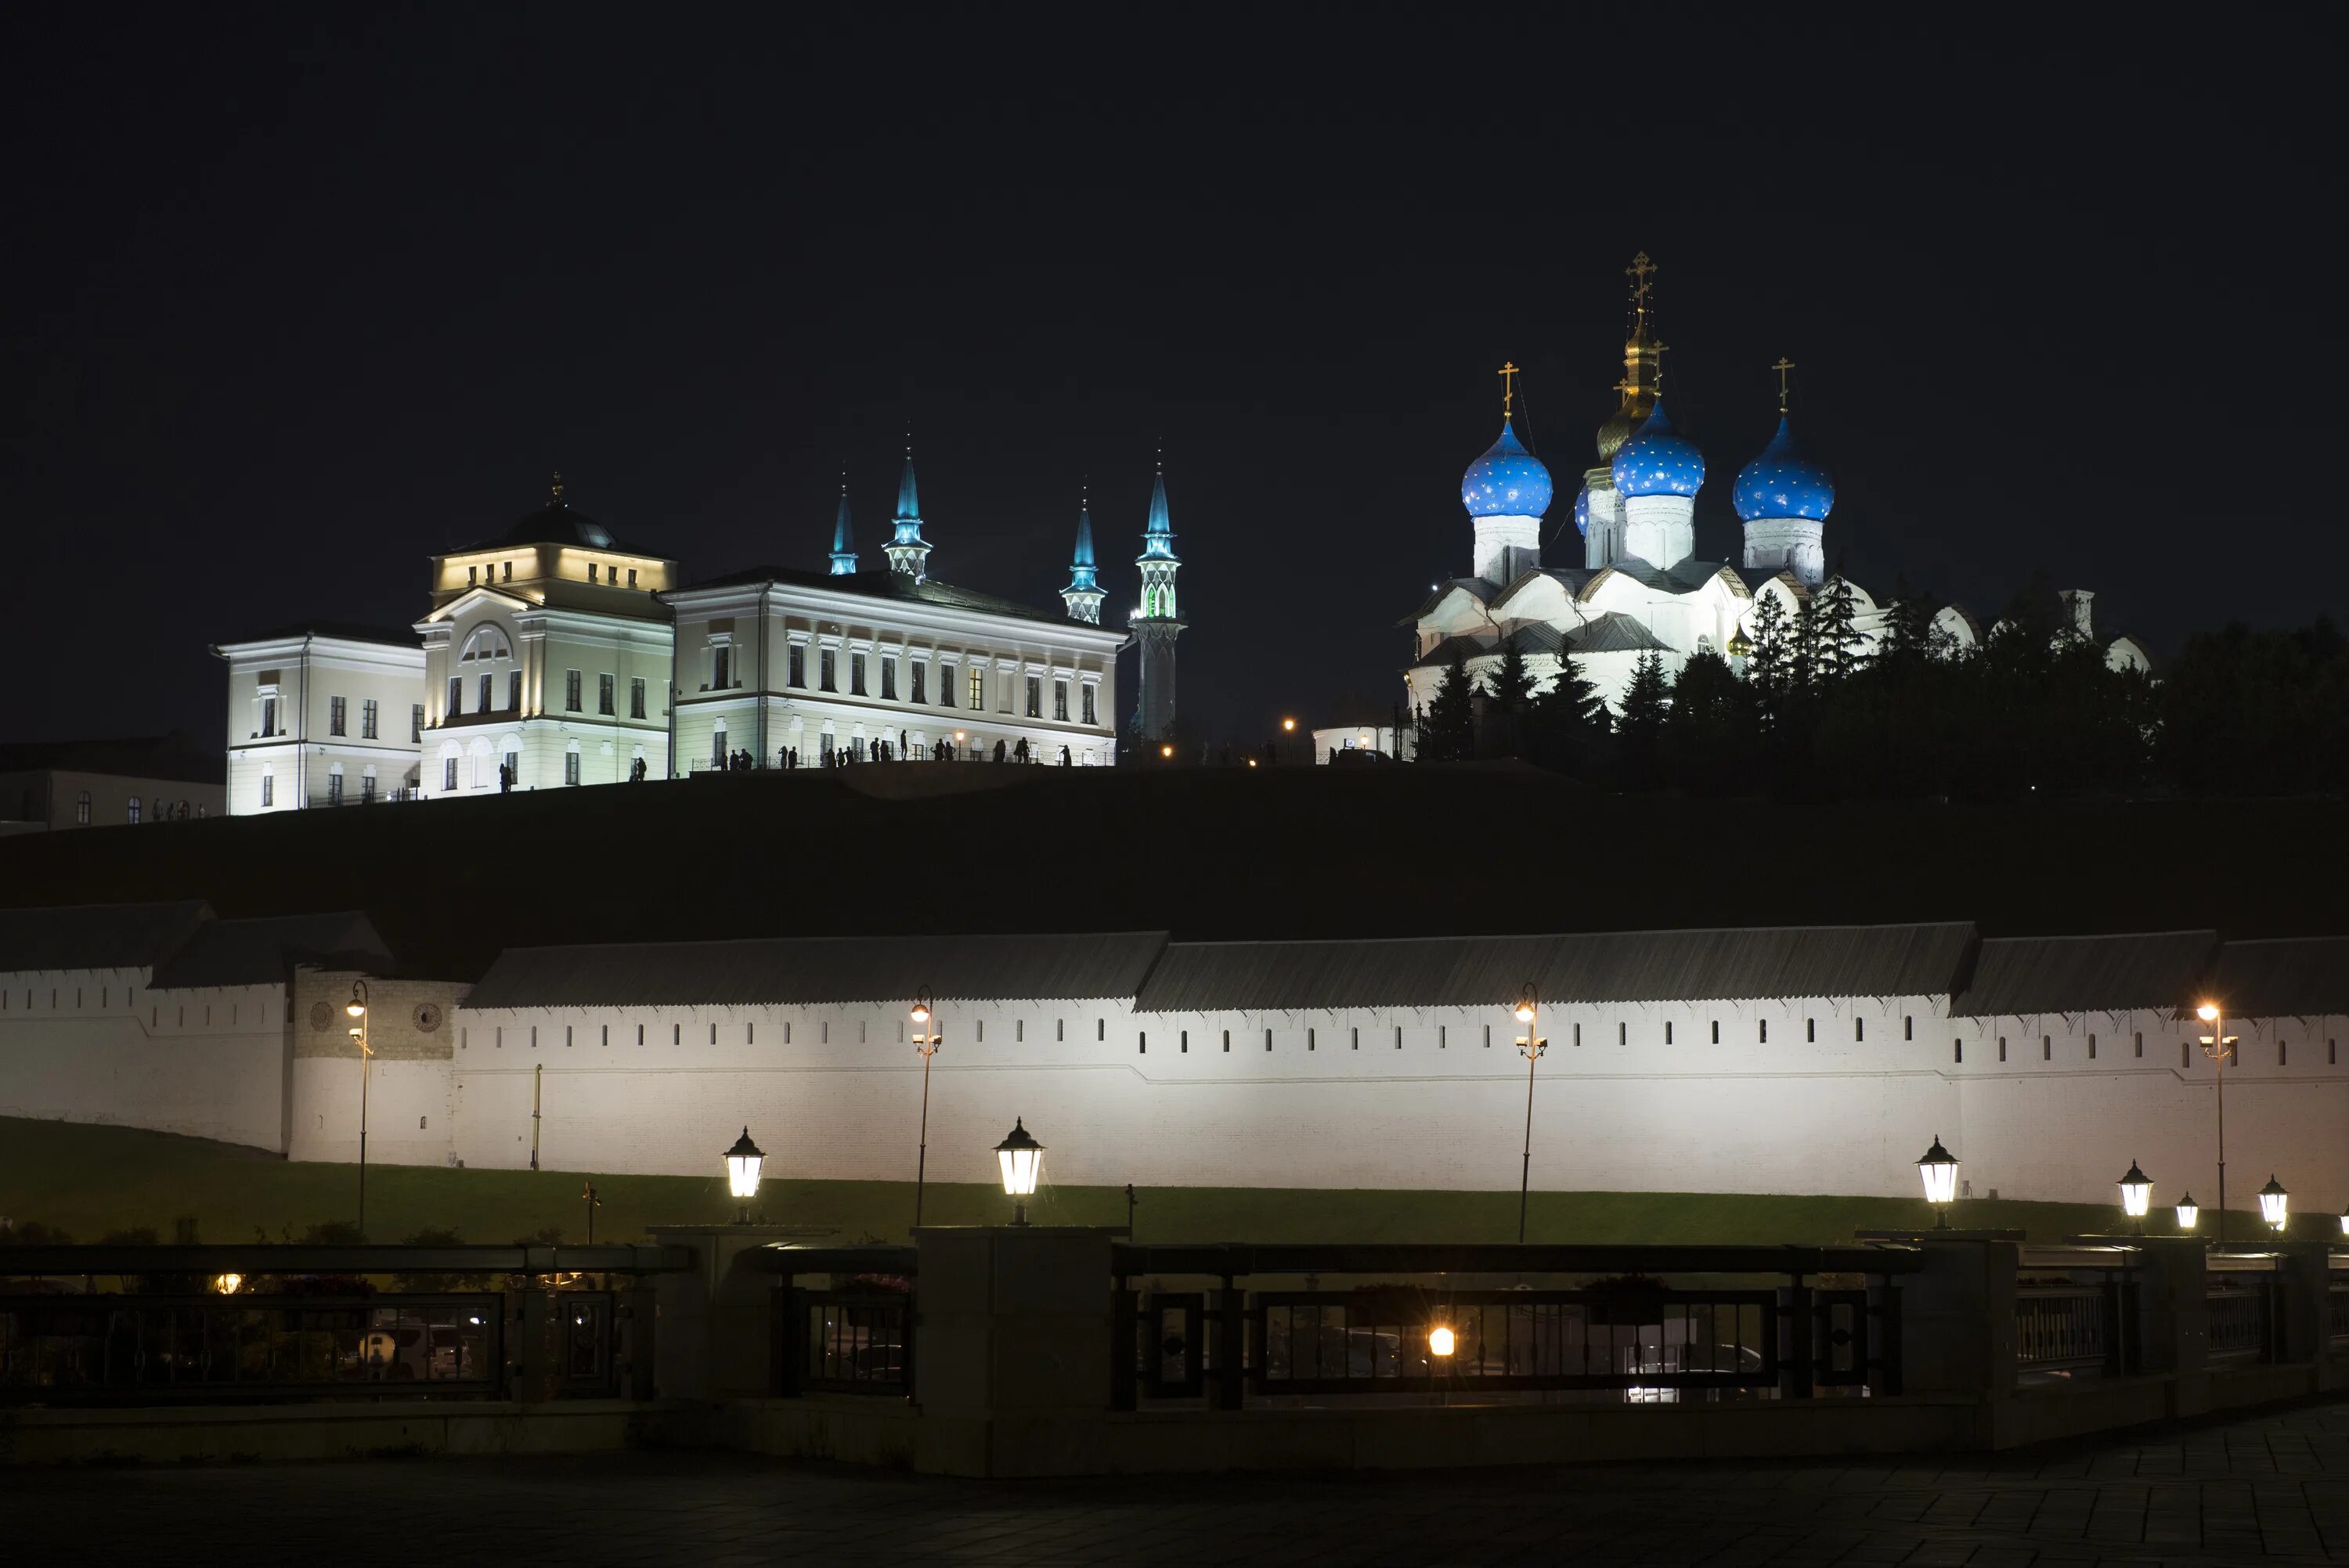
(843, 540)
(1507, 491)
(1599, 509)
(1083, 595)
(1784, 499)
(1155, 624)
(910, 553)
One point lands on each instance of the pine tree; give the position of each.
(1803, 647)
(1771, 664)
(1566, 723)
(1709, 732)
(1447, 733)
(1836, 643)
(1646, 701)
(1908, 623)
(1512, 684)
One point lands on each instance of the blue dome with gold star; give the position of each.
(1782, 482)
(1658, 460)
(1582, 511)
(1506, 481)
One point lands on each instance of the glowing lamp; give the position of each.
(2344, 1222)
(1165, 751)
(921, 1012)
(1525, 1012)
(2208, 1012)
(2275, 1203)
(1021, 1159)
(2136, 1193)
(1939, 1169)
(1441, 1341)
(228, 1284)
(2190, 1212)
(744, 1163)
(1288, 724)
(355, 1007)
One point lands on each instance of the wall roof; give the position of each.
(2075, 974)
(95, 935)
(2293, 976)
(260, 952)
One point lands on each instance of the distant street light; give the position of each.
(228, 1284)
(2190, 1212)
(1165, 751)
(1289, 727)
(1939, 1168)
(356, 1009)
(1021, 1159)
(2219, 1044)
(1441, 1341)
(2275, 1203)
(2137, 1195)
(1530, 1045)
(2344, 1222)
(744, 1163)
(925, 1042)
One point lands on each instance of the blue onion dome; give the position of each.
(1506, 481)
(1658, 460)
(1582, 510)
(1782, 482)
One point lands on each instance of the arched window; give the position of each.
(486, 641)
(134, 808)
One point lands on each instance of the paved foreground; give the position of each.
(2270, 1490)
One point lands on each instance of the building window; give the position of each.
(592, 570)
(605, 684)
(570, 691)
(335, 787)
(1858, 1030)
(509, 572)
(1101, 1028)
(416, 724)
(2046, 1047)
(795, 664)
(1957, 1051)
(571, 767)
(888, 679)
(134, 809)
(945, 686)
(1089, 718)
(447, 776)
(513, 768)
(472, 576)
(2283, 1055)
(717, 746)
(632, 582)
(1142, 1044)
(1765, 1034)
(1035, 696)
(914, 677)
(721, 667)
(2092, 1047)
(827, 673)
(366, 787)
(269, 715)
(1668, 1034)
(2138, 1042)
(856, 674)
(977, 700)
(1061, 701)
(489, 694)
(268, 791)
(1908, 1026)
(2001, 1047)
(636, 696)
(1810, 1028)
(367, 719)
(82, 808)
(514, 691)
(456, 697)
(1716, 1031)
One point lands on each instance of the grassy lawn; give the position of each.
(90, 1181)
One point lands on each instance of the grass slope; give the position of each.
(90, 1180)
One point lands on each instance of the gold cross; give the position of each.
(1639, 271)
(1509, 372)
(558, 487)
(1783, 366)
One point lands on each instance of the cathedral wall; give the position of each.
(99, 1046)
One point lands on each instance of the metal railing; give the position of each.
(2336, 1308)
(845, 1342)
(2242, 1319)
(2065, 1330)
(152, 1348)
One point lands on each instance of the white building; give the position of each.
(1756, 1060)
(555, 654)
(1638, 588)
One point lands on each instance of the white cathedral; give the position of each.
(1640, 588)
(555, 655)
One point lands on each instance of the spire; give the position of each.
(557, 489)
(910, 553)
(1083, 594)
(844, 538)
(1782, 367)
(1156, 622)
(1643, 361)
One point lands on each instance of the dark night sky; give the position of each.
(298, 301)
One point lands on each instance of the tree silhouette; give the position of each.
(1447, 732)
(1642, 727)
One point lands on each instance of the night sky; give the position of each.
(298, 301)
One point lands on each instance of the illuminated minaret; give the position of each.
(1083, 594)
(910, 553)
(1599, 509)
(1155, 624)
(843, 540)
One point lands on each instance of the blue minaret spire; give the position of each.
(1083, 594)
(844, 538)
(1155, 624)
(910, 553)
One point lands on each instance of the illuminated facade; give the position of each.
(1640, 588)
(1157, 621)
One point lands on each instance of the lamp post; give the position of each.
(926, 1044)
(2190, 1212)
(1531, 1045)
(2137, 1196)
(1021, 1159)
(744, 1164)
(2275, 1204)
(2219, 1044)
(356, 1009)
(1939, 1168)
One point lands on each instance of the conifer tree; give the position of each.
(1835, 632)
(1771, 664)
(1447, 732)
(1512, 684)
(1645, 702)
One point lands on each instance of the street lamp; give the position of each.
(2344, 1222)
(2137, 1195)
(744, 1163)
(2219, 1044)
(1939, 1168)
(1165, 751)
(356, 1009)
(1441, 1341)
(1022, 1161)
(926, 1044)
(2189, 1212)
(1289, 727)
(2274, 1203)
(1530, 1045)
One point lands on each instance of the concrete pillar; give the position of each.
(715, 1336)
(1011, 1346)
(1957, 1325)
(2173, 1318)
(2303, 1331)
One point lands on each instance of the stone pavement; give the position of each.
(2271, 1488)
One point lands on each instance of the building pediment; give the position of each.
(473, 599)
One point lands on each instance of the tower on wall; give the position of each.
(1155, 623)
(908, 551)
(1084, 594)
(1599, 509)
(843, 539)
